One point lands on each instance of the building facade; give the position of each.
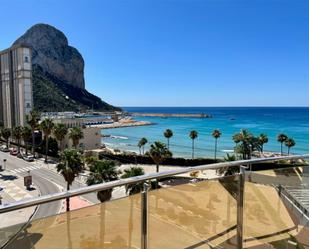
(92, 135)
(16, 98)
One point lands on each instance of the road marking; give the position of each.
(20, 170)
(33, 167)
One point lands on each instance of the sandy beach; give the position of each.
(151, 168)
(123, 123)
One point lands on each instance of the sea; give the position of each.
(293, 121)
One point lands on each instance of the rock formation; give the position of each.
(58, 72)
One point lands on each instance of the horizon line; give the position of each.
(215, 106)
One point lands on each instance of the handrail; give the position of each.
(118, 183)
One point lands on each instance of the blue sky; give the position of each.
(180, 52)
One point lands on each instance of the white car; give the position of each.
(28, 158)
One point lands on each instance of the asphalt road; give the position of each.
(47, 181)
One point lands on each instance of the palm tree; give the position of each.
(60, 131)
(132, 189)
(26, 135)
(17, 134)
(69, 167)
(6, 134)
(216, 134)
(142, 144)
(168, 134)
(193, 135)
(132, 172)
(246, 143)
(75, 135)
(33, 122)
(100, 172)
(158, 152)
(228, 170)
(47, 126)
(290, 142)
(281, 138)
(263, 139)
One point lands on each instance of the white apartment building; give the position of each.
(16, 98)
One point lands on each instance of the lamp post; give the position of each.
(4, 164)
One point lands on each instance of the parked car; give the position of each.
(28, 158)
(3, 148)
(14, 152)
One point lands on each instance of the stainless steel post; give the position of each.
(144, 216)
(240, 207)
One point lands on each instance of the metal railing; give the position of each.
(148, 177)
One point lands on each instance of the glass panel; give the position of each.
(194, 215)
(276, 203)
(113, 225)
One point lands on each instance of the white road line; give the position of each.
(20, 170)
(33, 167)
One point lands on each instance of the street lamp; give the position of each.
(4, 164)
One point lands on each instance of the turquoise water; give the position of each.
(292, 121)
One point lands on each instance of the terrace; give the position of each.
(260, 209)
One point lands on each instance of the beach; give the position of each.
(122, 124)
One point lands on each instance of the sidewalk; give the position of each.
(14, 190)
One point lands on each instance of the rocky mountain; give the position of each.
(60, 68)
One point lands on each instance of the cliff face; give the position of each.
(53, 54)
(58, 72)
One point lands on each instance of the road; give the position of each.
(45, 180)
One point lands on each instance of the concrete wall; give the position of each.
(91, 140)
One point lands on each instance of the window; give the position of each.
(26, 59)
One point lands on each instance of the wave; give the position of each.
(119, 137)
(227, 151)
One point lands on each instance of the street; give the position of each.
(44, 178)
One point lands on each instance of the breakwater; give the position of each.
(175, 115)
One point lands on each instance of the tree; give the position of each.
(6, 134)
(33, 121)
(246, 143)
(52, 147)
(100, 172)
(142, 143)
(76, 134)
(60, 131)
(133, 188)
(281, 138)
(263, 139)
(47, 126)
(193, 135)
(216, 134)
(132, 172)
(158, 152)
(103, 171)
(69, 167)
(17, 131)
(168, 134)
(228, 170)
(26, 136)
(290, 142)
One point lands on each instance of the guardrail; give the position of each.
(148, 177)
